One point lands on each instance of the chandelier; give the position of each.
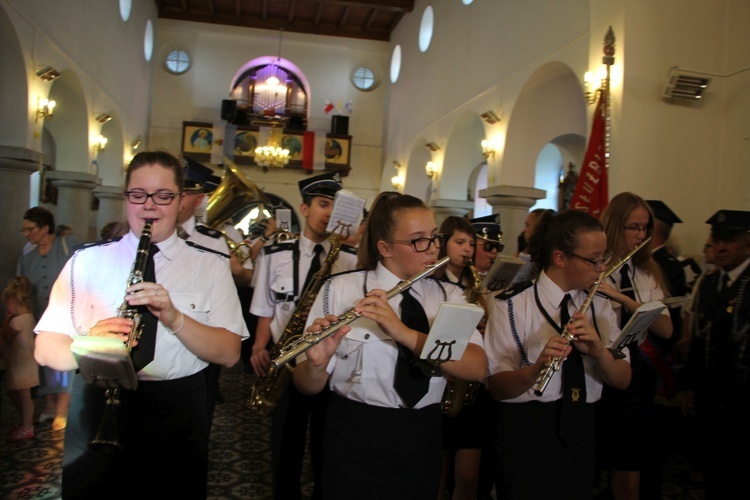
(271, 156)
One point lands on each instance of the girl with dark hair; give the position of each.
(459, 246)
(383, 440)
(545, 442)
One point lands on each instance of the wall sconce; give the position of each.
(103, 117)
(396, 179)
(432, 146)
(101, 144)
(48, 73)
(490, 117)
(592, 85)
(136, 144)
(45, 109)
(488, 149)
(430, 169)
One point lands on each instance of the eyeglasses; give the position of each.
(28, 229)
(159, 198)
(598, 264)
(423, 244)
(636, 229)
(493, 245)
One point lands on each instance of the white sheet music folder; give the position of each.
(503, 273)
(451, 331)
(638, 324)
(347, 212)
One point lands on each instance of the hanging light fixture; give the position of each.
(272, 155)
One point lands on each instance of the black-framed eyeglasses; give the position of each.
(599, 264)
(159, 198)
(28, 229)
(635, 229)
(423, 244)
(493, 245)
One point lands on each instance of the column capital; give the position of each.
(73, 180)
(512, 196)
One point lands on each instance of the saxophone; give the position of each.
(267, 390)
(460, 392)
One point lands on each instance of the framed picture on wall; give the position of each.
(197, 138)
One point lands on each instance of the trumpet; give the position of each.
(554, 364)
(309, 339)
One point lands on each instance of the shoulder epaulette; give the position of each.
(349, 249)
(84, 246)
(210, 232)
(279, 247)
(205, 249)
(514, 290)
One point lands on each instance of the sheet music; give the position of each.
(502, 273)
(347, 212)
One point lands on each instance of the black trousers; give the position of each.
(289, 424)
(163, 429)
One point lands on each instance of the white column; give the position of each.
(111, 206)
(74, 200)
(512, 203)
(444, 208)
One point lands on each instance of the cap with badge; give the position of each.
(726, 224)
(487, 228)
(663, 213)
(199, 178)
(327, 185)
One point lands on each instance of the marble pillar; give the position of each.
(512, 203)
(16, 166)
(111, 206)
(443, 208)
(74, 200)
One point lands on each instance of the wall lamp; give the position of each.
(430, 169)
(593, 84)
(45, 109)
(432, 146)
(488, 149)
(136, 144)
(396, 181)
(100, 144)
(490, 117)
(48, 73)
(103, 117)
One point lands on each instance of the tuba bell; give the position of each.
(235, 192)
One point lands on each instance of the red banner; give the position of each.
(592, 192)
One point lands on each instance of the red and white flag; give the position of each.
(313, 150)
(328, 107)
(592, 191)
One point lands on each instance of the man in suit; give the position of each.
(717, 373)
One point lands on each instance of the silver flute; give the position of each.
(309, 339)
(554, 364)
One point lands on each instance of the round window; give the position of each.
(395, 63)
(364, 79)
(425, 29)
(177, 62)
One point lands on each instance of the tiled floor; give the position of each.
(239, 458)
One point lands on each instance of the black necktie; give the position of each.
(143, 353)
(724, 283)
(626, 288)
(410, 382)
(314, 265)
(570, 425)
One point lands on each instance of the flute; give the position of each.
(554, 364)
(309, 339)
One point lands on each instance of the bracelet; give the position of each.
(182, 323)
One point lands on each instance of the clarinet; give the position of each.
(554, 364)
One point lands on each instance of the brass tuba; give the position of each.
(234, 193)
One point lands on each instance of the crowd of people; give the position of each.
(547, 406)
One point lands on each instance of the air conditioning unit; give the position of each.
(682, 86)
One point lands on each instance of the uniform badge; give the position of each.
(576, 394)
